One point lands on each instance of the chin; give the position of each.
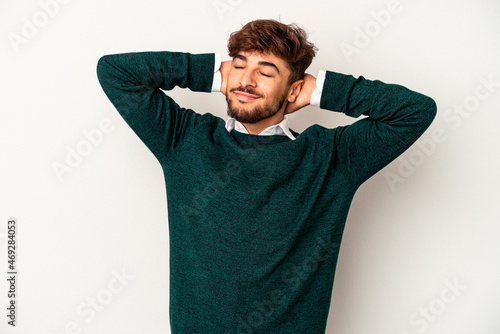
(243, 117)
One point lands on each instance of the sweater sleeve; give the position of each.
(397, 117)
(134, 82)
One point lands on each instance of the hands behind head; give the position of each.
(304, 95)
(225, 67)
(302, 92)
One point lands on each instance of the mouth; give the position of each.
(245, 97)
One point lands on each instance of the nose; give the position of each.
(247, 79)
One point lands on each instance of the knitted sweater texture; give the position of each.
(255, 222)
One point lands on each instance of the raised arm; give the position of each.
(133, 83)
(397, 117)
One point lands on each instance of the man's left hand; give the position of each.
(304, 97)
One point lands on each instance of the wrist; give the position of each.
(318, 91)
(225, 67)
(217, 79)
(309, 87)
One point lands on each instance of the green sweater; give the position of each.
(255, 222)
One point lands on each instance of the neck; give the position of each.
(258, 127)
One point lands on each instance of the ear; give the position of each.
(295, 90)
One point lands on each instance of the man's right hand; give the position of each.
(225, 67)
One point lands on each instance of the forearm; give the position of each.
(139, 72)
(389, 103)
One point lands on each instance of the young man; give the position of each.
(256, 210)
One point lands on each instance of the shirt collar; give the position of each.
(276, 129)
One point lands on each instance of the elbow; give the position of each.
(107, 73)
(430, 110)
(102, 65)
(427, 111)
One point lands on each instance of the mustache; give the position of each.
(245, 90)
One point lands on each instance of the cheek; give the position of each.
(275, 91)
(269, 89)
(232, 79)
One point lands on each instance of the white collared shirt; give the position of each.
(276, 129)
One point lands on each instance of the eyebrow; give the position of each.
(261, 63)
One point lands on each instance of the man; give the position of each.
(256, 210)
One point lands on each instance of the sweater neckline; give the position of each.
(246, 140)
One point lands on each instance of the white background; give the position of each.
(438, 223)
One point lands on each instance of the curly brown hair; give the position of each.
(288, 42)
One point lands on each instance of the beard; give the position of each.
(256, 114)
